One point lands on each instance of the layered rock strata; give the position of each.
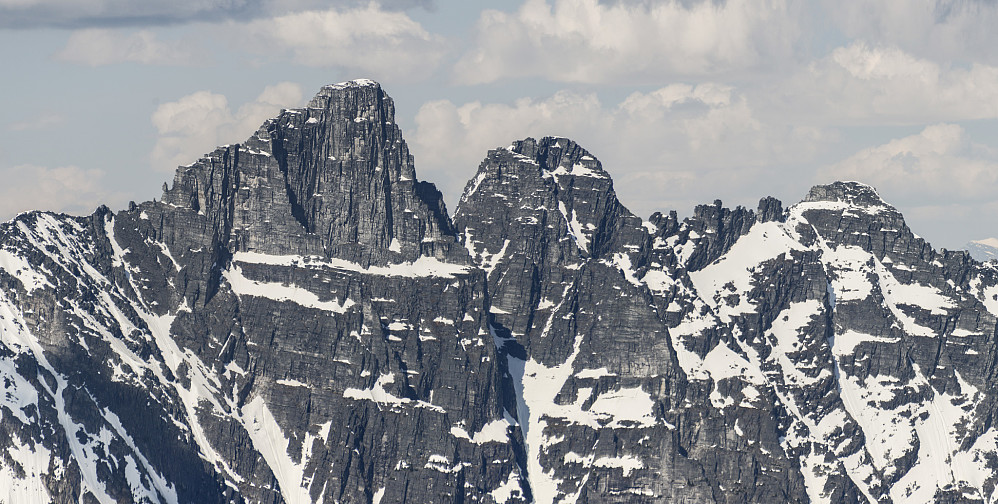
(298, 319)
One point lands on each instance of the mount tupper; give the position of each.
(299, 320)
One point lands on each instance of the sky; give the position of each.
(683, 101)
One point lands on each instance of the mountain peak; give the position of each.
(356, 85)
(362, 99)
(299, 321)
(333, 179)
(560, 156)
(983, 250)
(549, 190)
(850, 192)
(353, 83)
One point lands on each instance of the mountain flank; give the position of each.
(299, 319)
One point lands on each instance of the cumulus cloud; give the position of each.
(937, 177)
(860, 83)
(960, 30)
(69, 189)
(367, 39)
(597, 42)
(668, 149)
(98, 47)
(119, 13)
(197, 123)
(937, 165)
(370, 40)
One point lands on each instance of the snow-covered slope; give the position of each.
(984, 250)
(873, 351)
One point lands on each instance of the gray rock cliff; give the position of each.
(299, 319)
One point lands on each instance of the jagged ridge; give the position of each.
(299, 320)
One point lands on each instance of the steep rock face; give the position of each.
(542, 218)
(298, 320)
(815, 354)
(910, 327)
(334, 179)
(544, 209)
(81, 369)
(294, 322)
(862, 332)
(606, 411)
(737, 426)
(341, 292)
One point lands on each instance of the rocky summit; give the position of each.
(300, 320)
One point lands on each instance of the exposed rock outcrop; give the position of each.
(299, 320)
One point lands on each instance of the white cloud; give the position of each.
(859, 83)
(370, 40)
(960, 30)
(596, 42)
(473, 128)
(98, 47)
(670, 148)
(946, 185)
(197, 123)
(937, 165)
(67, 189)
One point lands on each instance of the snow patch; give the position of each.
(509, 489)
(269, 439)
(492, 432)
(627, 462)
(422, 267)
(243, 286)
(382, 397)
(575, 228)
(23, 271)
(732, 273)
(579, 170)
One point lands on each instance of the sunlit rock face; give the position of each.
(299, 319)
